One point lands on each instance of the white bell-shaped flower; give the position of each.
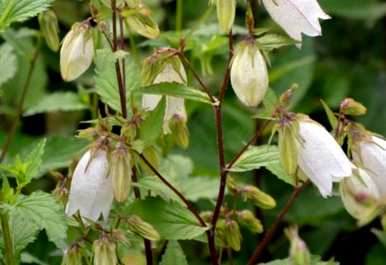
(91, 187)
(77, 52)
(320, 157)
(297, 16)
(360, 195)
(175, 107)
(371, 155)
(249, 74)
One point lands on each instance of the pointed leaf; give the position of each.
(174, 254)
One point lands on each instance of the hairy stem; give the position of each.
(274, 226)
(8, 244)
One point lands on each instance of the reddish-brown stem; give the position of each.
(204, 87)
(187, 203)
(228, 67)
(120, 80)
(274, 226)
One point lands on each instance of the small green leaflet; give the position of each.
(330, 114)
(315, 260)
(170, 219)
(176, 90)
(20, 10)
(151, 128)
(58, 101)
(174, 254)
(8, 63)
(262, 156)
(106, 83)
(27, 168)
(40, 211)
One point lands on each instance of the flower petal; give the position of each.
(91, 189)
(321, 158)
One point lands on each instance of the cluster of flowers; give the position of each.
(307, 150)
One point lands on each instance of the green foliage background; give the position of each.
(349, 60)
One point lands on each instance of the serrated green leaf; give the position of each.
(60, 152)
(23, 232)
(170, 219)
(34, 160)
(44, 212)
(256, 157)
(151, 128)
(20, 10)
(8, 63)
(176, 90)
(58, 101)
(106, 83)
(174, 254)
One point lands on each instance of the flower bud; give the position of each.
(226, 11)
(232, 235)
(72, 256)
(288, 148)
(139, 21)
(120, 172)
(232, 185)
(258, 197)
(353, 108)
(50, 29)
(180, 132)
(247, 218)
(206, 216)
(249, 74)
(105, 252)
(77, 51)
(142, 228)
(220, 232)
(299, 253)
(360, 196)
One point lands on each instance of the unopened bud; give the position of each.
(72, 256)
(249, 74)
(353, 108)
(50, 29)
(77, 51)
(286, 97)
(226, 11)
(232, 235)
(288, 148)
(299, 253)
(258, 197)
(247, 218)
(180, 132)
(151, 154)
(105, 252)
(140, 22)
(232, 185)
(61, 193)
(206, 216)
(121, 173)
(221, 232)
(142, 228)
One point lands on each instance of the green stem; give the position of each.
(8, 244)
(179, 15)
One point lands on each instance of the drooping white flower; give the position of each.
(297, 16)
(77, 52)
(249, 74)
(371, 155)
(175, 107)
(320, 157)
(359, 195)
(91, 187)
